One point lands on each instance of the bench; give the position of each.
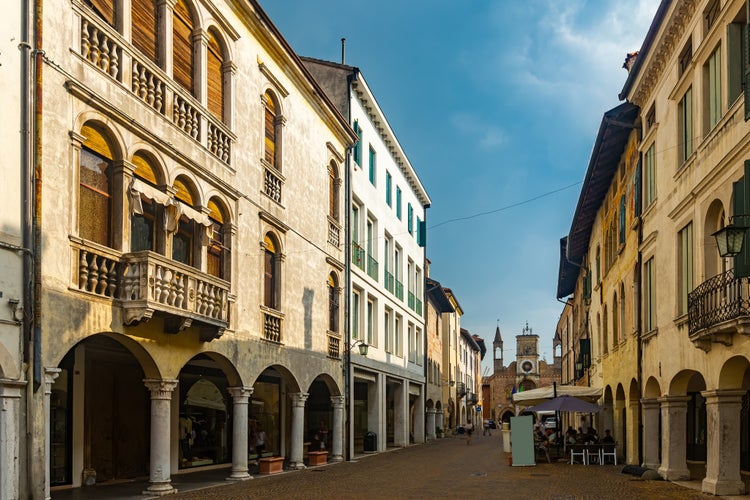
(317, 458)
(271, 465)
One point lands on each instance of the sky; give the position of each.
(497, 104)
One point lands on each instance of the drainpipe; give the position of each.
(35, 350)
(424, 316)
(639, 325)
(348, 383)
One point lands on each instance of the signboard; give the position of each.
(522, 437)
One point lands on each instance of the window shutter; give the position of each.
(637, 193)
(215, 78)
(144, 27)
(105, 9)
(421, 233)
(270, 130)
(182, 46)
(740, 207)
(746, 61)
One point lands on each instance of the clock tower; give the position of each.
(527, 359)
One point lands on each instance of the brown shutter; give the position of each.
(270, 127)
(95, 141)
(105, 9)
(144, 27)
(215, 78)
(268, 278)
(182, 46)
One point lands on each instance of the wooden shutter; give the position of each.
(183, 192)
(215, 61)
(270, 130)
(143, 169)
(746, 61)
(740, 207)
(144, 27)
(421, 232)
(268, 280)
(182, 46)
(105, 9)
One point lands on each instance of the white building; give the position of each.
(387, 262)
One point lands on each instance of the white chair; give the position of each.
(579, 451)
(608, 450)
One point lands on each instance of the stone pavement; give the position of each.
(448, 468)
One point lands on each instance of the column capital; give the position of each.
(11, 388)
(673, 401)
(50, 375)
(160, 388)
(430, 410)
(650, 402)
(338, 401)
(719, 396)
(299, 398)
(240, 394)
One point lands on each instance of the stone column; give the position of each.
(159, 475)
(650, 433)
(10, 398)
(298, 431)
(631, 430)
(401, 414)
(723, 444)
(674, 428)
(419, 417)
(240, 396)
(337, 437)
(50, 374)
(430, 423)
(440, 418)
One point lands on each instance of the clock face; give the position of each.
(526, 366)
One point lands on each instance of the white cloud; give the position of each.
(487, 135)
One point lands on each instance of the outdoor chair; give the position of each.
(579, 451)
(608, 450)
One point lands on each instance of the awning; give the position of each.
(535, 396)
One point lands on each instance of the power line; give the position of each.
(518, 204)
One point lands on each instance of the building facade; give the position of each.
(437, 304)
(387, 235)
(192, 266)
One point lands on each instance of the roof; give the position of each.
(470, 339)
(567, 273)
(498, 337)
(614, 131)
(436, 294)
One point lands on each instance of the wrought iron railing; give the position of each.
(721, 298)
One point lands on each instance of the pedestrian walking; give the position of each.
(469, 431)
(486, 429)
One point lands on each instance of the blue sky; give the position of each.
(497, 104)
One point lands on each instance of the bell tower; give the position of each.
(527, 358)
(497, 349)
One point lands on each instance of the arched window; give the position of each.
(183, 240)
(623, 328)
(95, 191)
(333, 191)
(605, 335)
(272, 129)
(143, 226)
(333, 303)
(215, 73)
(615, 320)
(271, 273)
(145, 29)
(182, 46)
(218, 249)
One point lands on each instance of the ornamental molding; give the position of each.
(662, 50)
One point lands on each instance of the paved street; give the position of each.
(447, 469)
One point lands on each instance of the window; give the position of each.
(398, 202)
(685, 263)
(615, 320)
(215, 76)
(410, 218)
(144, 34)
(333, 191)
(686, 57)
(182, 46)
(605, 330)
(623, 327)
(387, 266)
(371, 322)
(388, 330)
(143, 210)
(710, 15)
(356, 314)
(650, 119)
(388, 189)
(184, 239)
(735, 50)
(271, 273)
(712, 82)
(358, 145)
(218, 248)
(621, 232)
(398, 336)
(272, 127)
(95, 202)
(333, 303)
(412, 344)
(373, 167)
(649, 176)
(649, 295)
(598, 264)
(418, 346)
(686, 126)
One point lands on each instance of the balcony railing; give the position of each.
(272, 183)
(389, 282)
(460, 389)
(399, 290)
(103, 47)
(372, 267)
(411, 300)
(717, 308)
(272, 325)
(418, 307)
(358, 255)
(334, 233)
(334, 346)
(145, 283)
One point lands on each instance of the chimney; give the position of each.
(343, 51)
(630, 60)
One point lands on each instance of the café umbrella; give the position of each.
(566, 403)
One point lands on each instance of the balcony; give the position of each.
(372, 267)
(272, 320)
(412, 301)
(105, 49)
(145, 283)
(389, 281)
(334, 345)
(399, 290)
(418, 307)
(334, 233)
(358, 255)
(460, 390)
(718, 308)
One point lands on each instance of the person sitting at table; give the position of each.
(591, 437)
(607, 439)
(551, 438)
(571, 436)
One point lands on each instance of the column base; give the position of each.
(297, 465)
(654, 466)
(336, 458)
(239, 476)
(719, 487)
(160, 488)
(674, 474)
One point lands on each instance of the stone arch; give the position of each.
(652, 390)
(715, 219)
(686, 381)
(114, 136)
(8, 367)
(191, 185)
(329, 381)
(153, 159)
(139, 352)
(732, 373)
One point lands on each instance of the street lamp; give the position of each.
(362, 347)
(729, 238)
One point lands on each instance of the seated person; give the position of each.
(607, 439)
(591, 437)
(571, 436)
(551, 437)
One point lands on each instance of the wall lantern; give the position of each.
(729, 238)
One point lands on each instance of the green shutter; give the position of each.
(421, 232)
(746, 63)
(742, 260)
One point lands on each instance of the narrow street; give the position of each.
(449, 468)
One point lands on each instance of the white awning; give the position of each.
(535, 396)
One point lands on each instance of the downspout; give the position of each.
(424, 316)
(36, 350)
(639, 323)
(348, 389)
